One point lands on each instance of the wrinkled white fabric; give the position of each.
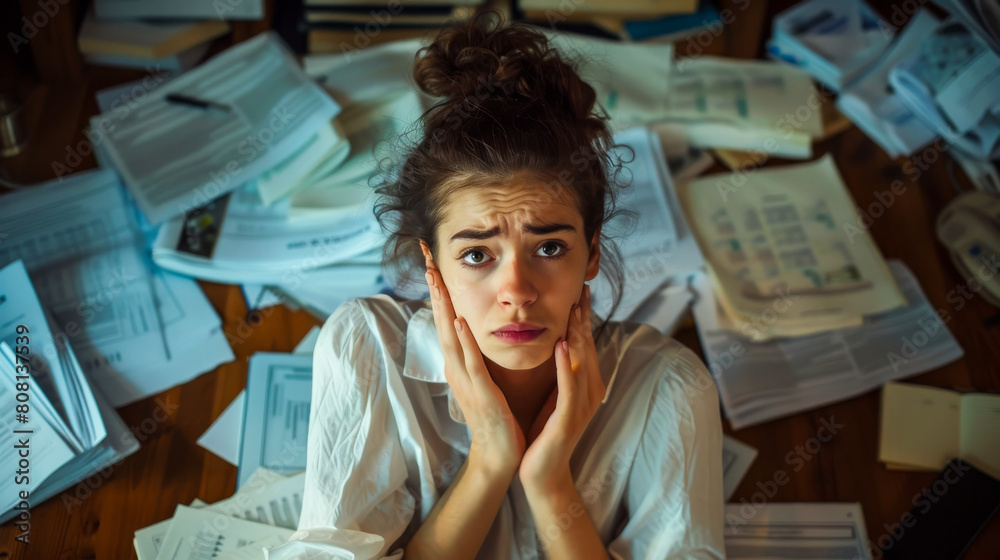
(386, 437)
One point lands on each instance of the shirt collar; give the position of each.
(425, 358)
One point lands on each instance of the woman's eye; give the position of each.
(552, 253)
(479, 258)
(476, 258)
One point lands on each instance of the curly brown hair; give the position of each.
(511, 105)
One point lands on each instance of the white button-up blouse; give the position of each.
(386, 438)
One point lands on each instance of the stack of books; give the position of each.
(168, 46)
(344, 26)
(662, 20)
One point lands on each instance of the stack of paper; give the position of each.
(744, 105)
(55, 419)
(261, 515)
(136, 330)
(256, 243)
(925, 427)
(784, 260)
(832, 40)
(952, 83)
(797, 530)
(761, 381)
(872, 105)
(215, 127)
(982, 16)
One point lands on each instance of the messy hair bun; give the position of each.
(509, 105)
(483, 64)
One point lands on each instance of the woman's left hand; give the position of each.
(564, 417)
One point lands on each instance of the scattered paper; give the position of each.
(736, 459)
(797, 530)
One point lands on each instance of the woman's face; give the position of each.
(514, 254)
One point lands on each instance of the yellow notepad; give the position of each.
(923, 427)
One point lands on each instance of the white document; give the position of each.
(258, 244)
(273, 500)
(835, 531)
(777, 250)
(279, 390)
(47, 449)
(259, 296)
(744, 105)
(254, 552)
(149, 540)
(322, 291)
(308, 342)
(631, 80)
(767, 380)
(196, 534)
(325, 148)
(62, 395)
(81, 245)
(371, 73)
(223, 436)
(194, 333)
(174, 157)
(93, 428)
(950, 82)
(736, 459)
(648, 248)
(833, 40)
(371, 127)
(665, 308)
(872, 106)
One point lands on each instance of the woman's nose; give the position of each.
(517, 287)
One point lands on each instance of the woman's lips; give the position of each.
(518, 337)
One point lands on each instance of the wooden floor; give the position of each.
(170, 468)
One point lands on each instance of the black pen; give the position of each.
(181, 99)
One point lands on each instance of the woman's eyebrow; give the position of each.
(534, 229)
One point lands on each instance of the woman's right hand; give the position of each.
(497, 440)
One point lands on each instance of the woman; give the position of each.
(493, 422)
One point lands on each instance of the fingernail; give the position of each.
(579, 316)
(565, 346)
(458, 325)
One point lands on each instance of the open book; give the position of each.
(924, 427)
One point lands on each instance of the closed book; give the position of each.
(142, 39)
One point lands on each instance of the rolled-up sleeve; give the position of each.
(355, 502)
(673, 495)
